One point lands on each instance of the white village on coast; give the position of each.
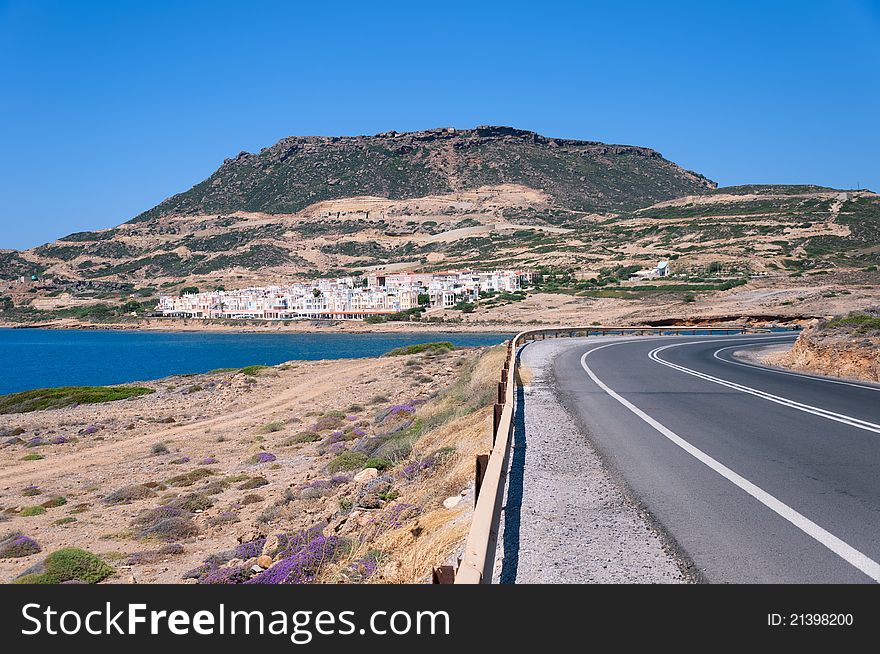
(346, 298)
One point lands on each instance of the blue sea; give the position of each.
(38, 358)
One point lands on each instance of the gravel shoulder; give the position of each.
(566, 518)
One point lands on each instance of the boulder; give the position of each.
(365, 475)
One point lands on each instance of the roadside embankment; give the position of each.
(848, 347)
(335, 471)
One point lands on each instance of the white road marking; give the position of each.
(799, 406)
(842, 549)
(790, 374)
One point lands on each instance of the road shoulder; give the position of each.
(566, 518)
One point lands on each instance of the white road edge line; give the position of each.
(858, 423)
(842, 549)
(789, 373)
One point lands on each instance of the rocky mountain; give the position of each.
(438, 199)
(301, 170)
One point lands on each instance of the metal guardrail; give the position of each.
(478, 559)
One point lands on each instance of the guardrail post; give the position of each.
(482, 462)
(443, 574)
(496, 420)
(502, 392)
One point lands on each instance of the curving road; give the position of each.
(757, 475)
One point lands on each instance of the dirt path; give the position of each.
(302, 391)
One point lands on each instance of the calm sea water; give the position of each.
(36, 358)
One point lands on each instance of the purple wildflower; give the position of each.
(263, 457)
(250, 549)
(36, 441)
(357, 431)
(303, 566)
(59, 440)
(365, 567)
(336, 448)
(400, 409)
(351, 418)
(340, 478)
(393, 517)
(208, 460)
(234, 575)
(336, 437)
(18, 545)
(91, 429)
(413, 468)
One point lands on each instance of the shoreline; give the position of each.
(352, 327)
(310, 328)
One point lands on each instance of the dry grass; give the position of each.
(461, 418)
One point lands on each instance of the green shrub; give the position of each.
(159, 448)
(29, 511)
(128, 494)
(438, 347)
(64, 521)
(54, 502)
(252, 371)
(254, 482)
(68, 564)
(272, 427)
(302, 437)
(41, 399)
(347, 461)
(32, 457)
(378, 464)
(189, 478)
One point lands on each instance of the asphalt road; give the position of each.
(756, 475)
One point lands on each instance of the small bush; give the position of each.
(193, 502)
(189, 478)
(378, 464)
(272, 427)
(262, 457)
(159, 448)
(252, 498)
(17, 545)
(254, 482)
(302, 437)
(215, 487)
(252, 371)
(64, 521)
(347, 461)
(154, 556)
(29, 511)
(68, 564)
(54, 502)
(32, 457)
(30, 491)
(170, 529)
(439, 347)
(224, 518)
(128, 494)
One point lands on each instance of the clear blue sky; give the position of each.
(108, 107)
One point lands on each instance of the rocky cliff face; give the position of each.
(300, 170)
(836, 355)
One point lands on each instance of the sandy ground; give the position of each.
(215, 422)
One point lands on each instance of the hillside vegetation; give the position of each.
(489, 197)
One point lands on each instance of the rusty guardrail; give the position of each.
(478, 559)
